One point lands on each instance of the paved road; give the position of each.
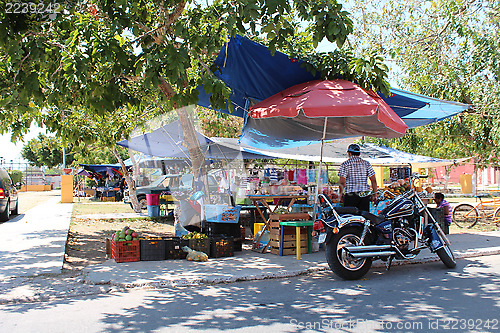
(424, 298)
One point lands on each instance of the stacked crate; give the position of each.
(289, 234)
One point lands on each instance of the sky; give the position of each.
(12, 151)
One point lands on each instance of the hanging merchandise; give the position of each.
(399, 173)
(290, 175)
(394, 174)
(311, 175)
(274, 175)
(324, 177)
(302, 176)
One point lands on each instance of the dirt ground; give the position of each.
(86, 244)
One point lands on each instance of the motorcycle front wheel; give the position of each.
(446, 256)
(340, 262)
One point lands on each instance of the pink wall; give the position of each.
(484, 176)
(455, 173)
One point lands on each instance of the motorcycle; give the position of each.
(355, 238)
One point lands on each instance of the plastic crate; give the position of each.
(125, 251)
(152, 249)
(438, 214)
(173, 248)
(226, 229)
(238, 245)
(221, 246)
(202, 245)
(222, 213)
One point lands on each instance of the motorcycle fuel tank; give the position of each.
(399, 208)
(385, 229)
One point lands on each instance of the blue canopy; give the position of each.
(253, 74)
(167, 141)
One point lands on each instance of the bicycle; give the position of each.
(467, 215)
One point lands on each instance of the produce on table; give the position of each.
(281, 210)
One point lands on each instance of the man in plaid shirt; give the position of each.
(353, 182)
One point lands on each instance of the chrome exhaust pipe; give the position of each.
(372, 254)
(363, 248)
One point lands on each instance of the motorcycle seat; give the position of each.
(347, 210)
(375, 219)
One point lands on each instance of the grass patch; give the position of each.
(84, 208)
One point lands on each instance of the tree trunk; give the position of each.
(130, 182)
(190, 140)
(193, 145)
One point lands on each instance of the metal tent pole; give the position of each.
(315, 211)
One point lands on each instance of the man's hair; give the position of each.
(439, 195)
(355, 154)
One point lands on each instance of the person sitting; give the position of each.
(445, 205)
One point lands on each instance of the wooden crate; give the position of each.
(289, 239)
(277, 237)
(290, 217)
(290, 251)
(288, 244)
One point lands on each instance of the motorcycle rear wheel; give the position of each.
(342, 264)
(446, 256)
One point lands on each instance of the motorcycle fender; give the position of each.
(435, 242)
(330, 233)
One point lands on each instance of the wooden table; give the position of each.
(262, 200)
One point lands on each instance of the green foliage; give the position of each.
(448, 50)
(46, 151)
(217, 124)
(16, 176)
(101, 68)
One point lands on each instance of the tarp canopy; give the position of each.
(103, 168)
(335, 152)
(167, 142)
(253, 74)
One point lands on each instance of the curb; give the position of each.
(284, 274)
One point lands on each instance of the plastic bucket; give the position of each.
(153, 211)
(152, 199)
(257, 227)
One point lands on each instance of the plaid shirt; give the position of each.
(356, 171)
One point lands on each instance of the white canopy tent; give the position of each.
(335, 152)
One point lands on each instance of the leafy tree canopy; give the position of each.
(446, 49)
(46, 151)
(110, 63)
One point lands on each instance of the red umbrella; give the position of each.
(319, 110)
(299, 113)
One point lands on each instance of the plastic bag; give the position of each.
(263, 240)
(195, 255)
(180, 230)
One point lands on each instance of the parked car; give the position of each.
(166, 183)
(8, 196)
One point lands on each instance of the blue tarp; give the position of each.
(167, 141)
(253, 74)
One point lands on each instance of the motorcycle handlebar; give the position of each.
(417, 176)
